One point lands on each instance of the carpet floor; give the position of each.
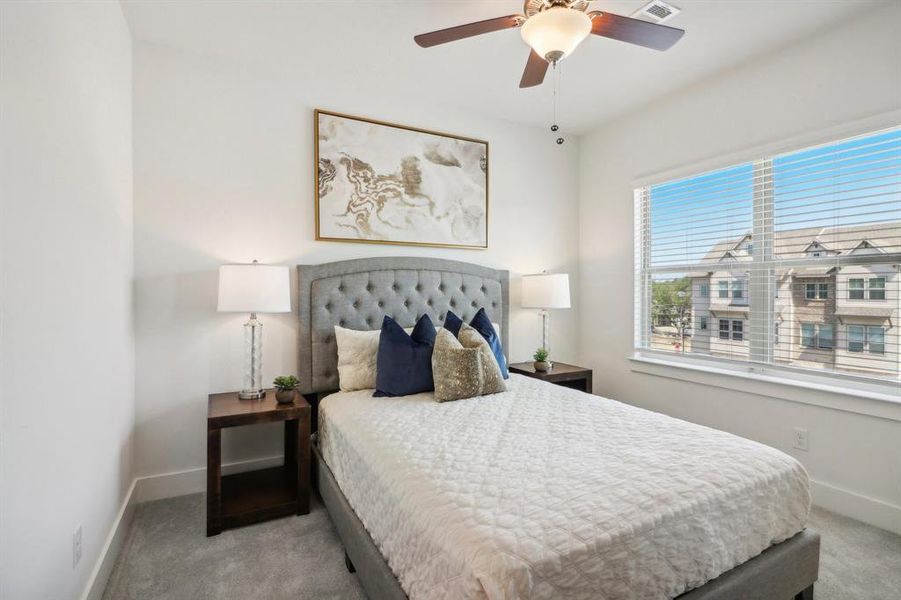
(167, 556)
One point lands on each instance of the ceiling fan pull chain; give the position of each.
(556, 127)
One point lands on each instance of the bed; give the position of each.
(541, 491)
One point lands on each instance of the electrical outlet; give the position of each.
(76, 547)
(800, 439)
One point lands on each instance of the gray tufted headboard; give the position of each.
(357, 294)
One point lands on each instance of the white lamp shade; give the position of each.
(547, 290)
(556, 30)
(254, 289)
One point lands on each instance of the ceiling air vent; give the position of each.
(657, 11)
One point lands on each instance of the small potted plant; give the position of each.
(285, 388)
(541, 362)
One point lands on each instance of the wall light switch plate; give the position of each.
(800, 439)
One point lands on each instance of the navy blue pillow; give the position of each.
(453, 323)
(404, 362)
(482, 324)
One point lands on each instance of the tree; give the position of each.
(671, 304)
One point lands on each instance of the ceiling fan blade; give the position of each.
(633, 31)
(452, 34)
(533, 75)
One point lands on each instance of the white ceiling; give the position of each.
(372, 43)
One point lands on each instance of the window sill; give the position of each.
(876, 401)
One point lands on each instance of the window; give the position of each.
(866, 289)
(732, 329)
(702, 323)
(816, 291)
(866, 338)
(857, 338)
(825, 337)
(876, 339)
(877, 288)
(795, 219)
(724, 329)
(808, 335)
(818, 335)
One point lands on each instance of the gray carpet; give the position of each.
(167, 556)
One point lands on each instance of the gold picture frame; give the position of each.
(392, 180)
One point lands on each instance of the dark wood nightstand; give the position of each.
(571, 376)
(253, 496)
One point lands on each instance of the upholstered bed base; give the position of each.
(782, 572)
(357, 294)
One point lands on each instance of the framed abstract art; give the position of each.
(383, 183)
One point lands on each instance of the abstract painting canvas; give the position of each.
(384, 183)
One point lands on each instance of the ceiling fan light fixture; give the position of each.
(554, 33)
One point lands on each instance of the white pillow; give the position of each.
(357, 352)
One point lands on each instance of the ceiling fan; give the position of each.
(554, 28)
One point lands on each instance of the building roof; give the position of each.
(793, 243)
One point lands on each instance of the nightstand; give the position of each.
(571, 376)
(253, 496)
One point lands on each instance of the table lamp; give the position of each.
(253, 289)
(545, 291)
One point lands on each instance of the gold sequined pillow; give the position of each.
(464, 367)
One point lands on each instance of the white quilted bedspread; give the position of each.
(546, 492)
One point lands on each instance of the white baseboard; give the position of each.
(154, 487)
(857, 506)
(96, 584)
(193, 481)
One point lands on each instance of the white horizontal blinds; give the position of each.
(642, 270)
(693, 220)
(790, 261)
(836, 217)
(830, 199)
(695, 234)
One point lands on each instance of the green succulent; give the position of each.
(540, 355)
(286, 383)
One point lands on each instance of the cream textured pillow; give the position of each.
(357, 351)
(464, 368)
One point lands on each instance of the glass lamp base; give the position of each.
(253, 355)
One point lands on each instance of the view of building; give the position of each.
(834, 316)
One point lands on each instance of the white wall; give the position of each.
(223, 173)
(66, 341)
(841, 76)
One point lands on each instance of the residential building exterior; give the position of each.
(832, 316)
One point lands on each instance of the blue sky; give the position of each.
(852, 182)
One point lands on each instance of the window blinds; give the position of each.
(790, 261)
